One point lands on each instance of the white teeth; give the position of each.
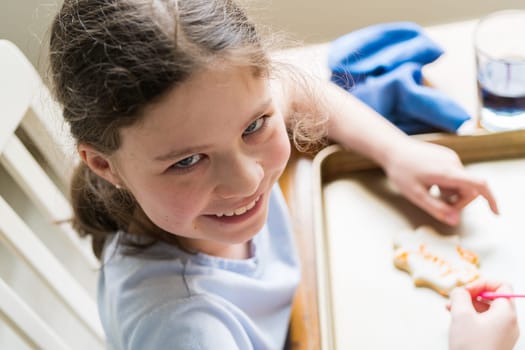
(252, 204)
(239, 211)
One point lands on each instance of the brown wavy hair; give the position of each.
(109, 59)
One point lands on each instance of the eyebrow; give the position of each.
(173, 154)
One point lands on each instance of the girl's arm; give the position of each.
(412, 165)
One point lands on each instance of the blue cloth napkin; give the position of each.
(381, 65)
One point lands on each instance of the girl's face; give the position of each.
(204, 159)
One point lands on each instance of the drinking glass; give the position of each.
(499, 41)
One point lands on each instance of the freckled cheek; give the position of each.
(279, 150)
(173, 211)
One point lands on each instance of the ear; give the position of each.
(99, 163)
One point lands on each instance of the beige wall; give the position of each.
(25, 22)
(321, 20)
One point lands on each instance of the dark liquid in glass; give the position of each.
(501, 86)
(502, 105)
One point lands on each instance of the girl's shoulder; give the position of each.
(192, 323)
(182, 323)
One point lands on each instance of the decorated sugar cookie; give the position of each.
(435, 260)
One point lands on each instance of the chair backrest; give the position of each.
(47, 273)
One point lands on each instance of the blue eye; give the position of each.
(188, 162)
(254, 127)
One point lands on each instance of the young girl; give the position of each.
(183, 125)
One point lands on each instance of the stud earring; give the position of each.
(118, 187)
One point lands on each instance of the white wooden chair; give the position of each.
(47, 273)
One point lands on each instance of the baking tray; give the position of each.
(364, 301)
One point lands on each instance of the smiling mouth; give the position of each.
(241, 210)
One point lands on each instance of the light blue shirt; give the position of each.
(165, 298)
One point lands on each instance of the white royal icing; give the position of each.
(435, 260)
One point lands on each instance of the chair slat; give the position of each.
(42, 191)
(55, 146)
(27, 106)
(27, 93)
(15, 96)
(26, 244)
(26, 323)
(47, 130)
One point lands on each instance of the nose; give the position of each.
(238, 176)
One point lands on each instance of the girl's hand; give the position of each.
(482, 325)
(415, 166)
